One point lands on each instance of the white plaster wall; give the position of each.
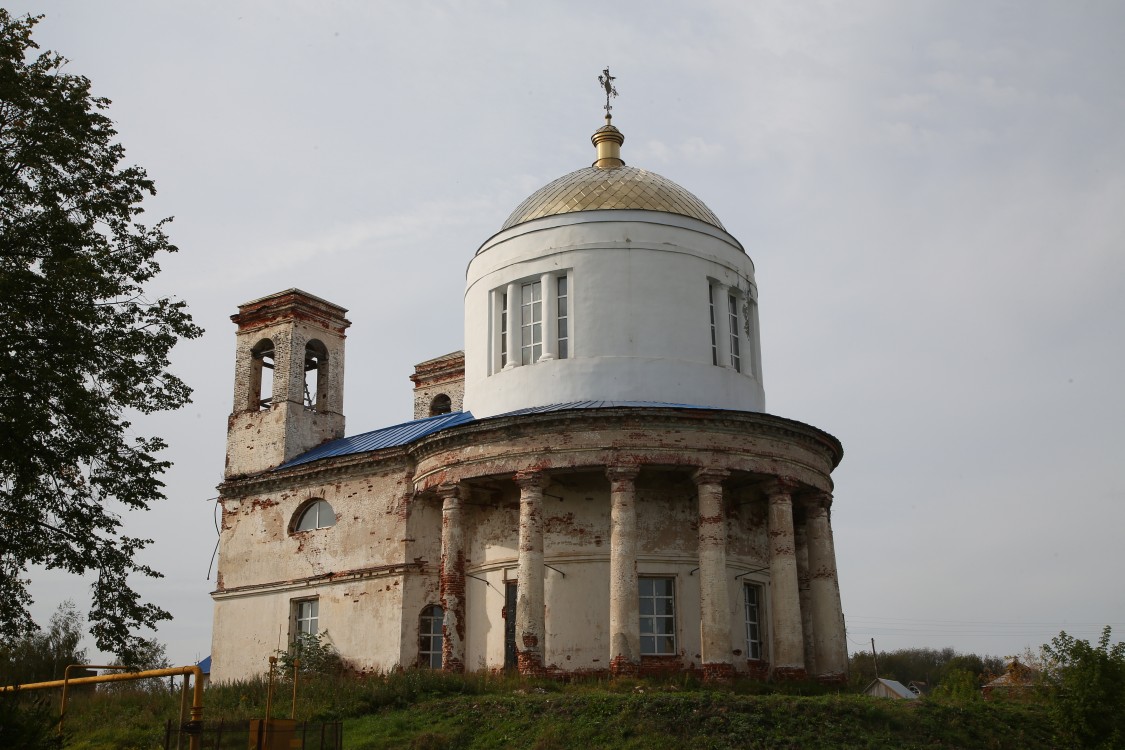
(362, 611)
(361, 618)
(639, 315)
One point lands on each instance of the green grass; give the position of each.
(427, 711)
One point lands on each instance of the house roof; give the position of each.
(894, 686)
(407, 432)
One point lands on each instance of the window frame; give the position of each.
(319, 504)
(652, 635)
(714, 329)
(562, 316)
(531, 322)
(297, 617)
(753, 613)
(526, 330)
(735, 332)
(262, 358)
(434, 615)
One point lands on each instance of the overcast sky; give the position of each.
(933, 194)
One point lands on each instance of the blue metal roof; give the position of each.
(388, 437)
(408, 432)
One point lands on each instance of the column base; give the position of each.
(454, 666)
(789, 674)
(832, 678)
(621, 666)
(529, 664)
(719, 672)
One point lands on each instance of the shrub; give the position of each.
(1086, 690)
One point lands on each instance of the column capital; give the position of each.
(778, 486)
(706, 475)
(818, 501)
(452, 491)
(622, 472)
(530, 480)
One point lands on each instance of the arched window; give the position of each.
(260, 394)
(429, 637)
(440, 405)
(317, 514)
(316, 374)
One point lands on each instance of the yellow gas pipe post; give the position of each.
(193, 671)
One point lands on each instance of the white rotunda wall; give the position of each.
(638, 313)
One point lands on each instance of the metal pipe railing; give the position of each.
(193, 726)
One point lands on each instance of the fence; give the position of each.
(258, 735)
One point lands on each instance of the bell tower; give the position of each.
(288, 380)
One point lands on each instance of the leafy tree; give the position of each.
(959, 686)
(81, 346)
(149, 653)
(28, 724)
(39, 656)
(316, 653)
(1086, 689)
(921, 665)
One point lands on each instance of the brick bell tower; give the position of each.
(288, 380)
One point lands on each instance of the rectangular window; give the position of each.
(504, 330)
(753, 596)
(563, 320)
(531, 323)
(306, 616)
(658, 616)
(714, 333)
(735, 358)
(530, 320)
(429, 637)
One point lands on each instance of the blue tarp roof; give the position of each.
(408, 432)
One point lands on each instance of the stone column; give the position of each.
(515, 333)
(714, 594)
(548, 315)
(787, 659)
(624, 614)
(530, 620)
(452, 579)
(828, 631)
(801, 543)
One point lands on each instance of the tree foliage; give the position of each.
(81, 346)
(1086, 689)
(927, 665)
(41, 656)
(312, 655)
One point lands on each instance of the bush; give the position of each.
(314, 654)
(1086, 690)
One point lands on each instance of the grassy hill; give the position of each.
(428, 711)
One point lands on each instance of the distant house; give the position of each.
(881, 688)
(918, 687)
(1016, 680)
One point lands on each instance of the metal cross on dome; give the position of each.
(606, 80)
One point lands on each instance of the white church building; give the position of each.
(592, 486)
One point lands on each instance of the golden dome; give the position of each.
(623, 187)
(610, 184)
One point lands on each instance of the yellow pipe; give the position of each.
(66, 684)
(194, 671)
